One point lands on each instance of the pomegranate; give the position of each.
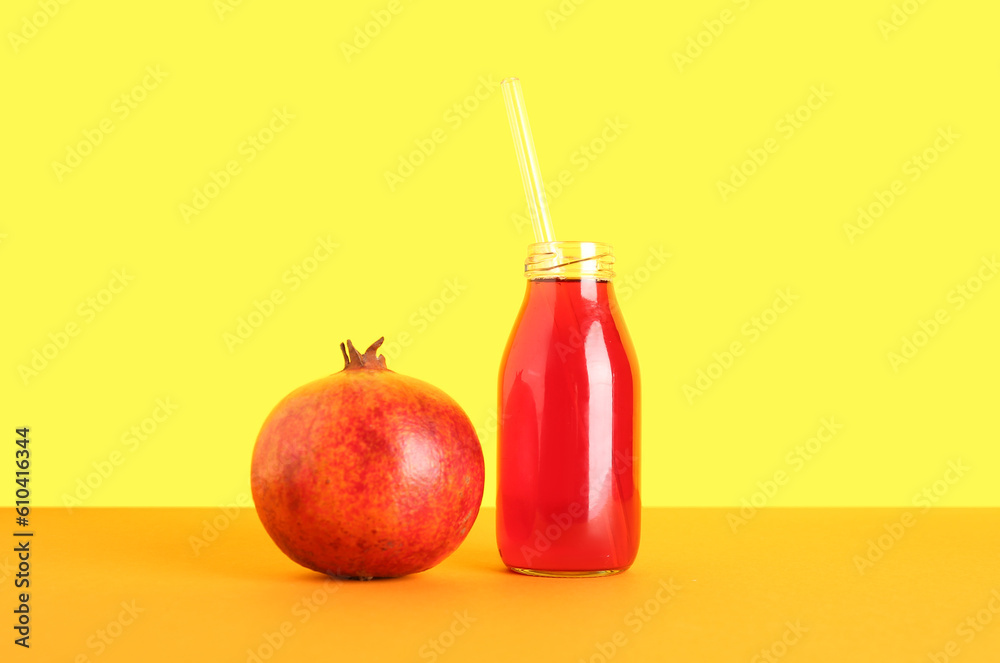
(367, 473)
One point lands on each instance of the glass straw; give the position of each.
(531, 175)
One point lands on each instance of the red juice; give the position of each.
(568, 434)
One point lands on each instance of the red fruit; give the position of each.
(367, 473)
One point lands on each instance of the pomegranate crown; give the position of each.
(354, 360)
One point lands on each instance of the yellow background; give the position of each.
(655, 187)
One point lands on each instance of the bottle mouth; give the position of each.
(569, 260)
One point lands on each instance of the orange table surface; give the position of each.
(137, 585)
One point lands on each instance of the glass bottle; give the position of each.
(568, 421)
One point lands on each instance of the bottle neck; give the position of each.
(569, 261)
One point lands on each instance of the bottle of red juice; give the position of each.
(568, 421)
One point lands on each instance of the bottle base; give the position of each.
(542, 573)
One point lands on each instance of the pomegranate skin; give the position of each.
(367, 474)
